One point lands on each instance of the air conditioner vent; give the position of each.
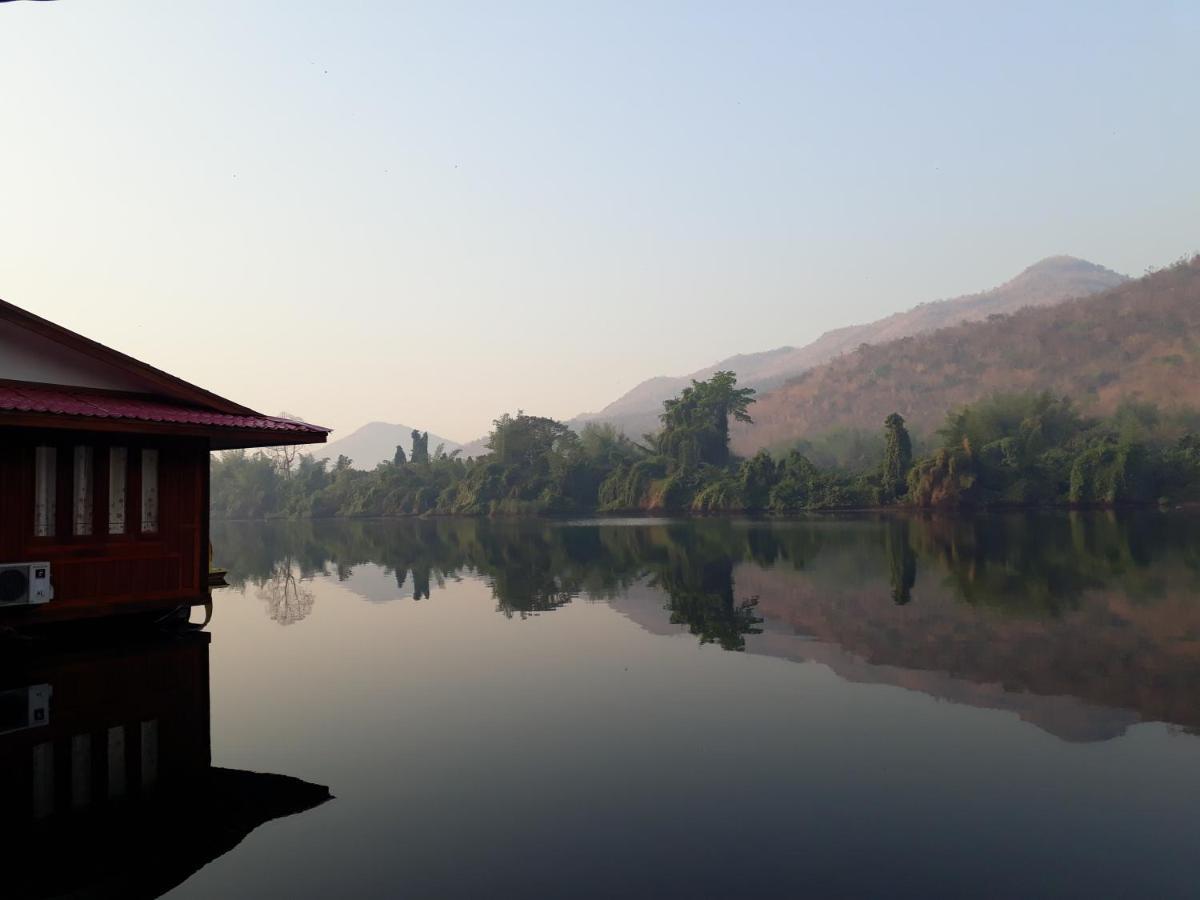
(25, 584)
(27, 707)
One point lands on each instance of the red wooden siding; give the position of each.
(100, 574)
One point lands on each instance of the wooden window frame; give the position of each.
(64, 537)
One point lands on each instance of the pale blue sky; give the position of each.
(435, 213)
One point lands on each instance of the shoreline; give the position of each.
(660, 514)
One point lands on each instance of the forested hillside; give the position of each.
(1050, 281)
(1022, 449)
(1140, 341)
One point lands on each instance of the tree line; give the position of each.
(1014, 450)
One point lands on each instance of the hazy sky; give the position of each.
(432, 213)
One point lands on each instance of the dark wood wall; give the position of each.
(99, 574)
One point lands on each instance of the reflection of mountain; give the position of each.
(1064, 716)
(377, 584)
(1080, 623)
(106, 786)
(1108, 653)
(644, 605)
(786, 635)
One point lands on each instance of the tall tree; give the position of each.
(897, 456)
(696, 423)
(399, 459)
(526, 442)
(420, 446)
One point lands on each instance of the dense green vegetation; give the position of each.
(1008, 450)
(1035, 449)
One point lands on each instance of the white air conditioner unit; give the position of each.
(24, 708)
(25, 584)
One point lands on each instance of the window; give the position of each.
(117, 457)
(149, 491)
(84, 489)
(44, 497)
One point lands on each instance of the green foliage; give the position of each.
(420, 446)
(947, 478)
(1109, 472)
(696, 423)
(1034, 421)
(1008, 450)
(247, 486)
(719, 495)
(757, 476)
(897, 456)
(1035, 449)
(848, 449)
(628, 484)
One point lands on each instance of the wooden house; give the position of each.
(104, 476)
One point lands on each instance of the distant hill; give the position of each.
(374, 442)
(1050, 281)
(1138, 340)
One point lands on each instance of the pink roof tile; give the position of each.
(67, 401)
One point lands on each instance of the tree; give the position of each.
(527, 442)
(285, 457)
(948, 478)
(758, 475)
(399, 459)
(420, 446)
(897, 456)
(696, 423)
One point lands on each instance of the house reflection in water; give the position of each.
(106, 782)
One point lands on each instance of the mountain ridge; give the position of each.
(1137, 341)
(374, 442)
(1054, 279)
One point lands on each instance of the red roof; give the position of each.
(86, 404)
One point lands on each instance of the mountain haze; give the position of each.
(1053, 280)
(375, 442)
(1140, 340)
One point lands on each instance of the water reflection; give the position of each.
(1081, 623)
(286, 593)
(106, 782)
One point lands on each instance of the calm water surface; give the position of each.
(999, 707)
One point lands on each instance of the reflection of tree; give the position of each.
(528, 575)
(902, 562)
(1024, 565)
(1019, 565)
(288, 598)
(1098, 606)
(698, 579)
(420, 576)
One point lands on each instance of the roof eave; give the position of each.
(219, 437)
